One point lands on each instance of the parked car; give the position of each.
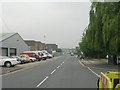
(8, 62)
(20, 59)
(43, 55)
(40, 54)
(25, 57)
(33, 55)
(32, 59)
(48, 54)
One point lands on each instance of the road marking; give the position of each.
(62, 62)
(81, 63)
(42, 81)
(94, 72)
(53, 71)
(58, 67)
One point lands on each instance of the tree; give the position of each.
(102, 35)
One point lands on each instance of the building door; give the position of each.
(13, 51)
(4, 51)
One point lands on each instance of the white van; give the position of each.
(40, 53)
(48, 54)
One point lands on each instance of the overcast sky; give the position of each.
(61, 23)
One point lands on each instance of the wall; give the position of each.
(15, 42)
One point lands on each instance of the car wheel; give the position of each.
(39, 59)
(44, 58)
(21, 62)
(8, 64)
(31, 60)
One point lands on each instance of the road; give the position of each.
(60, 72)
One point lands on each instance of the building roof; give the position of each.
(51, 44)
(4, 36)
(32, 41)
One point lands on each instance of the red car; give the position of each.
(31, 54)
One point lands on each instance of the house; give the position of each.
(12, 44)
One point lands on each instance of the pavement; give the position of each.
(100, 65)
(5, 70)
(99, 62)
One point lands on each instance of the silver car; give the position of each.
(8, 62)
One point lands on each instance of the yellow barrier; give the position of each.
(109, 81)
(105, 83)
(117, 87)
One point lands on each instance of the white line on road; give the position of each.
(94, 72)
(42, 81)
(81, 63)
(58, 67)
(53, 71)
(62, 62)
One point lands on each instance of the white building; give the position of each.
(12, 44)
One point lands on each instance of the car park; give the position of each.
(40, 54)
(8, 62)
(33, 55)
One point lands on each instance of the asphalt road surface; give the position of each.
(61, 72)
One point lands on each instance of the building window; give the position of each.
(4, 51)
(13, 51)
